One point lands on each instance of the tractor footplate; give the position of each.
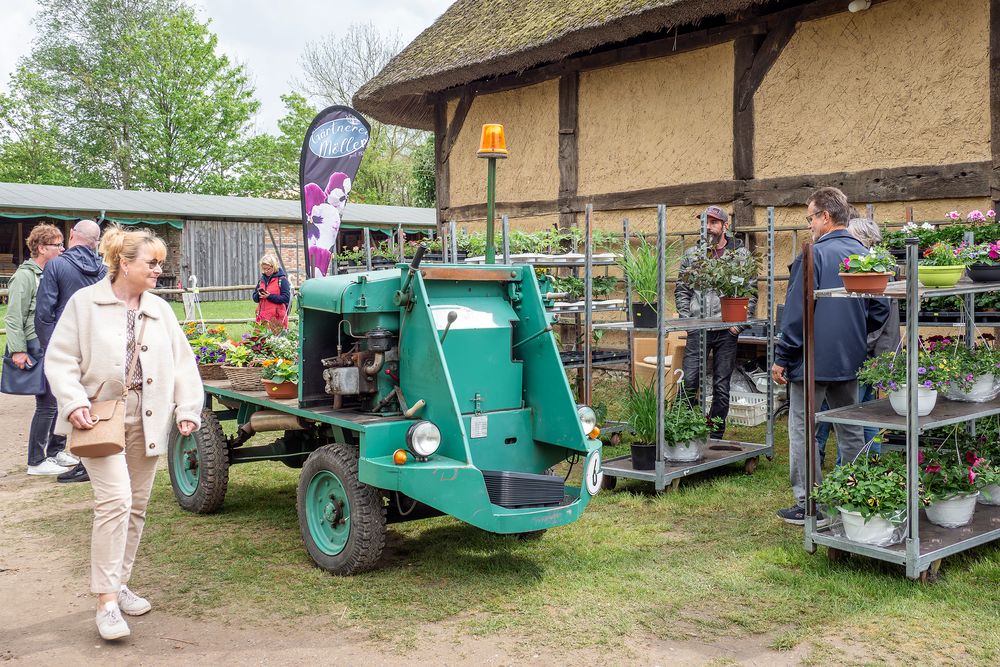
(515, 490)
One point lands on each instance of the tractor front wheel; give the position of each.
(342, 520)
(199, 466)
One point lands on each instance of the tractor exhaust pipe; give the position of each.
(267, 420)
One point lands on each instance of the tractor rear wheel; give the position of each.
(199, 466)
(342, 520)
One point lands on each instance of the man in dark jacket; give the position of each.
(78, 267)
(840, 340)
(720, 345)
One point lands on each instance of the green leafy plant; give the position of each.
(240, 355)
(877, 260)
(684, 422)
(280, 370)
(981, 254)
(639, 264)
(944, 475)
(639, 410)
(966, 364)
(871, 486)
(941, 254)
(731, 274)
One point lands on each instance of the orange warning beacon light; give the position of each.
(493, 144)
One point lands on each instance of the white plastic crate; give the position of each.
(746, 408)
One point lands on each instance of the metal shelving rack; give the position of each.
(926, 544)
(718, 452)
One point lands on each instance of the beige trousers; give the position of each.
(122, 484)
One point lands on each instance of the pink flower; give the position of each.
(991, 213)
(954, 215)
(975, 215)
(970, 457)
(972, 476)
(847, 264)
(920, 457)
(932, 468)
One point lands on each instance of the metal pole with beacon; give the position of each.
(492, 146)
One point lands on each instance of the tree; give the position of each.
(30, 149)
(333, 71)
(135, 93)
(424, 178)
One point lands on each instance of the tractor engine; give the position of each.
(365, 377)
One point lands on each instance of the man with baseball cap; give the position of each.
(721, 344)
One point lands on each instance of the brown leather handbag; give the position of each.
(107, 436)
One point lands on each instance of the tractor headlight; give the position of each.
(423, 439)
(588, 418)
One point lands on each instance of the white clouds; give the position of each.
(265, 35)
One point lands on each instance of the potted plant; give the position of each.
(868, 273)
(870, 495)
(243, 366)
(640, 265)
(895, 240)
(280, 378)
(732, 275)
(950, 487)
(941, 266)
(974, 369)
(640, 412)
(685, 429)
(887, 372)
(205, 343)
(982, 261)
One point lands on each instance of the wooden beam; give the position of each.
(442, 175)
(970, 179)
(455, 126)
(569, 86)
(995, 101)
(763, 58)
(744, 50)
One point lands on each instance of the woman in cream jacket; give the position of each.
(94, 342)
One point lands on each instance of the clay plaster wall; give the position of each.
(657, 122)
(903, 83)
(530, 117)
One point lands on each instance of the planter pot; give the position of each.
(984, 273)
(875, 530)
(734, 308)
(643, 315)
(643, 456)
(926, 398)
(865, 283)
(953, 512)
(686, 452)
(940, 276)
(244, 378)
(211, 372)
(281, 390)
(982, 390)
(990, 495)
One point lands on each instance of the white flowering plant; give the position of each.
(878, 259)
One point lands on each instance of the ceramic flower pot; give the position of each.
(953, 512)
(926, 399)
(643, 456)
(983, 389)
(984, 273)
(686, 452)
(734, 308)
(940, 276)
(865, 283)
(281, 389)
(990, 495)
(875, 530)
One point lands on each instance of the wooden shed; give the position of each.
(626, 104)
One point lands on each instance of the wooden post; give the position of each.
(569, 89)
(995, 101)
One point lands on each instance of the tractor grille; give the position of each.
(520, 489)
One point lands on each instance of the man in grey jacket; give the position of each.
(721, 344)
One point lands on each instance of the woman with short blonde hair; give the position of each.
(116, 333)
(273, 293)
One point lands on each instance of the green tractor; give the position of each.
(423, 391)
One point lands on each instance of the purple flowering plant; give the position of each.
(887, 372)
(980, 254)
(967, 364)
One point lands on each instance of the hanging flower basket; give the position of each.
(876, 530)
(686, 452)
(940, 276)
(990, 495)
(244, 378)
(953, 512)
(984, 273)
(926, 399)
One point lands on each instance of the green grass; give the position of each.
(710, 560)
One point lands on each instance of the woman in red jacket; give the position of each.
(273, 293)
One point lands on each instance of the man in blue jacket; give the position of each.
(78, 267)
(840, 340)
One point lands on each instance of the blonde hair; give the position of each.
(269, 259)
(118, 244)
(41, 235)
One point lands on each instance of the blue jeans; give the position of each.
(865, 393)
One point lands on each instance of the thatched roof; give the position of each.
(480, 39)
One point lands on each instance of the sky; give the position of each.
(266, 35)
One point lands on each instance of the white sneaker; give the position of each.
(47, 467)
(64, 458)
(110, 623)
(132, 604)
